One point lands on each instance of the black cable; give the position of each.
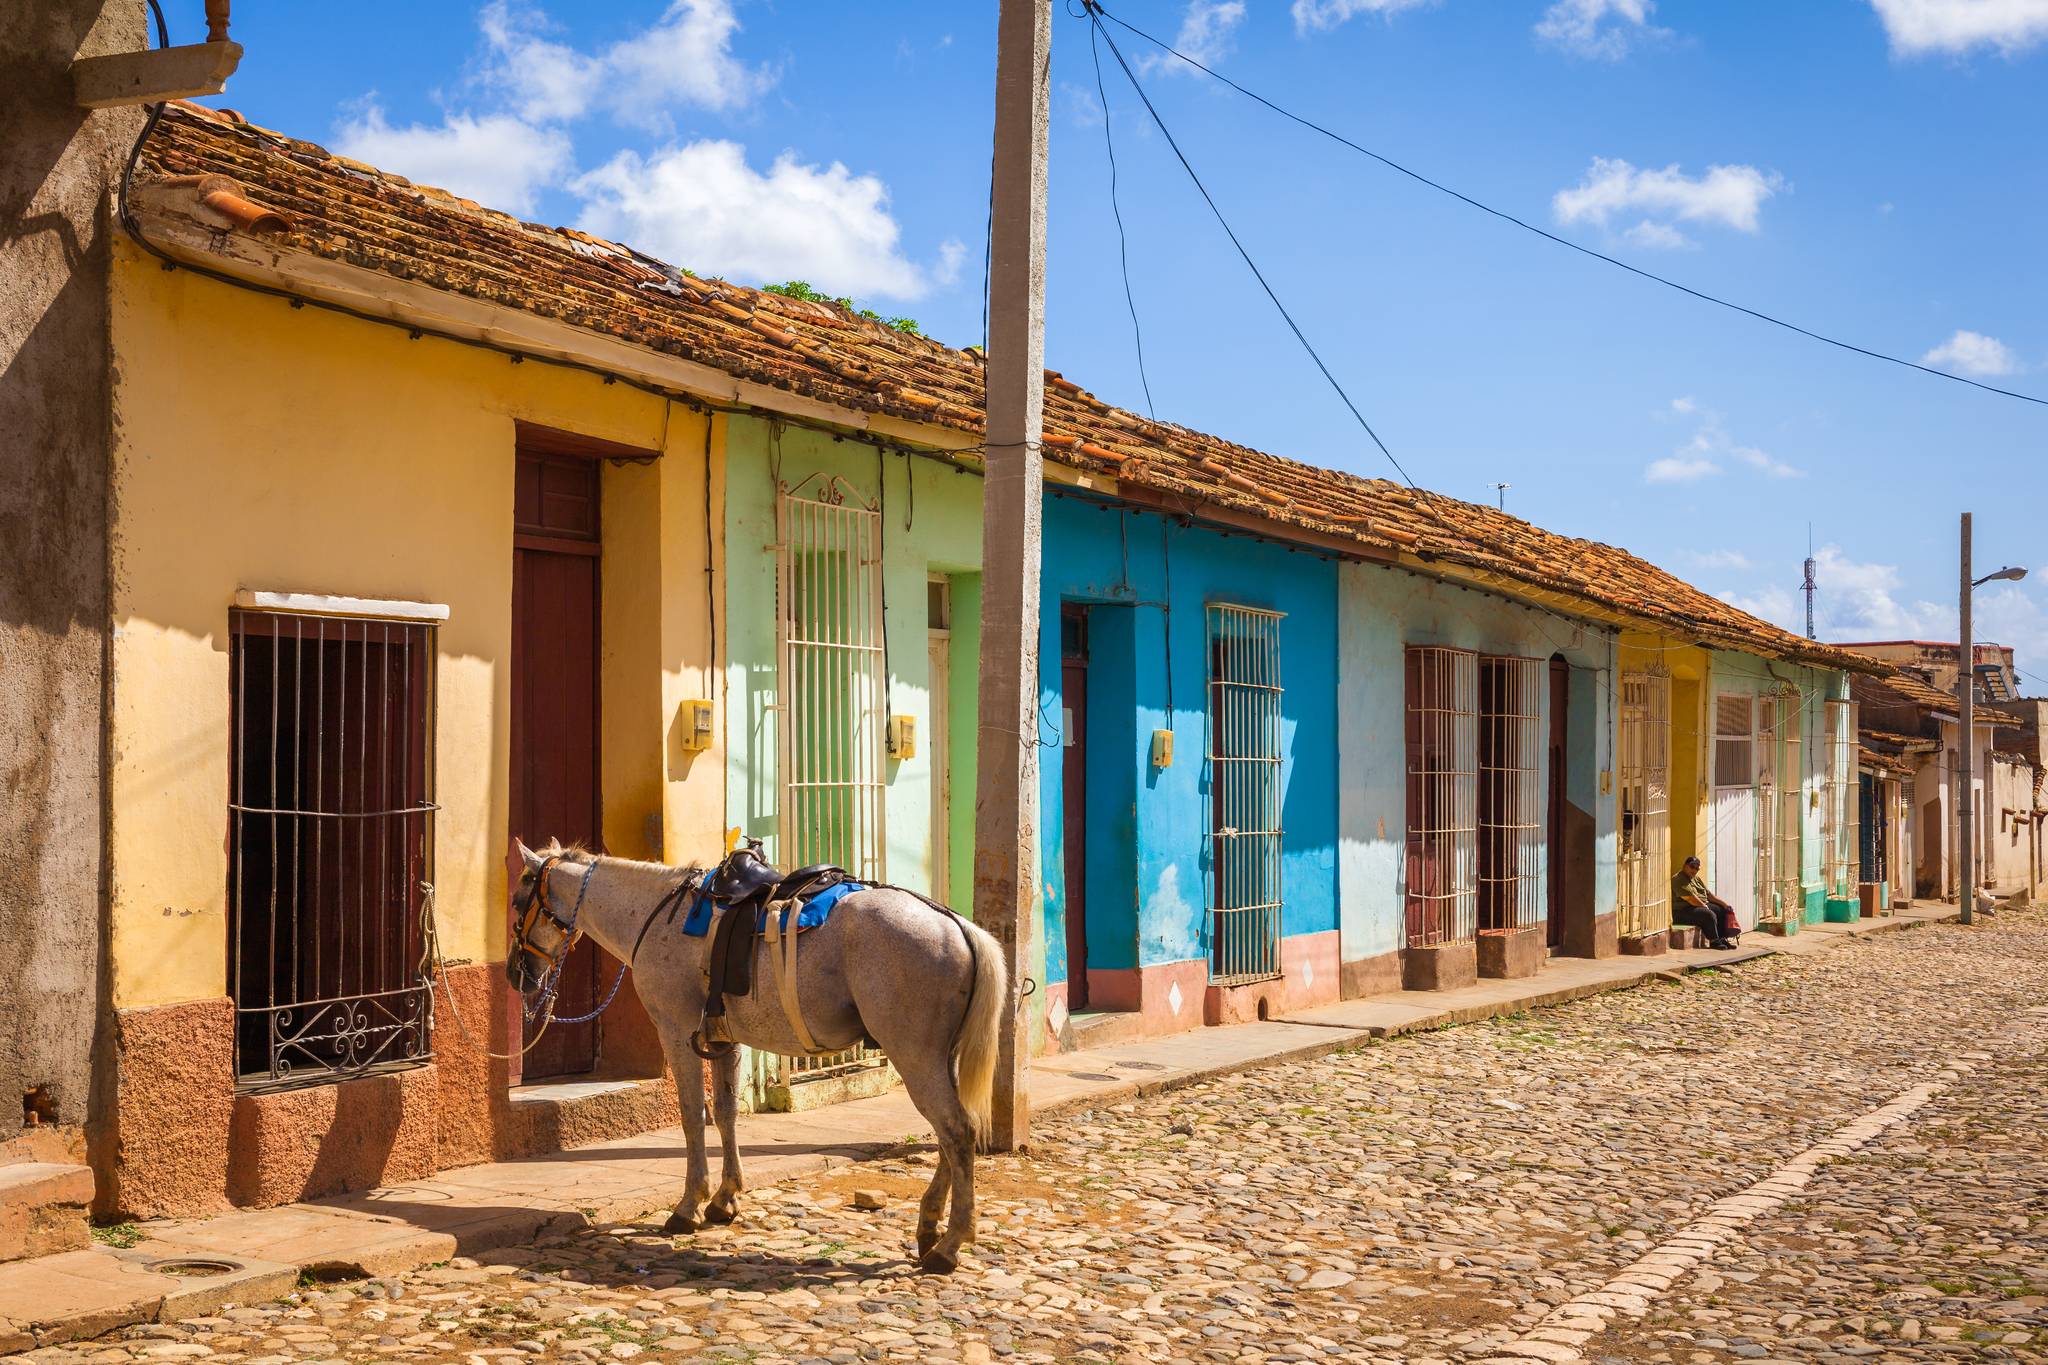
(1116, 52)
(1417, 176)
(1123, 254)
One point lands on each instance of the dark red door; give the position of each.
(1074, 794)
(554, 708)
(1560, 730)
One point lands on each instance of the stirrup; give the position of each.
(710, 1052)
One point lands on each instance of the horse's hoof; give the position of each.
(936, 1262)
(677, 1223)
(925, 1242)
(718, 1213)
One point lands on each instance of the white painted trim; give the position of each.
(320, 604)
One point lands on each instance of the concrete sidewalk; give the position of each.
(190, 1267)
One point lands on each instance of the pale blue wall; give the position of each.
(1383, 610)
(1734, 673)
(1148, 893)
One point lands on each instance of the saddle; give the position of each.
(750, 901)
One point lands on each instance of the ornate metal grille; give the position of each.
(1510, 793)
(1791, 760)
(1771, 797)
(330, 843)
(1645, 771)
(1245, 759)
(1839, 798)
(830, 699)
(1442, 795)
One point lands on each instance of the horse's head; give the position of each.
(542, 932)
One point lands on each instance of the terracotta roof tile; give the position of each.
(346, 211)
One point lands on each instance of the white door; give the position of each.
(1735, 772)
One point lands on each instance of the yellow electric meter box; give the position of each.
(695, 725)
(902, 737)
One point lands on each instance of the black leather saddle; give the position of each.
(741, 887)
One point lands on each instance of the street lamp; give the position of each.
(1966, 685)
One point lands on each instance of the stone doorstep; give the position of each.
(43, 1208)
(52, 1299)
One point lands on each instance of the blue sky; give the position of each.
(1869, 168)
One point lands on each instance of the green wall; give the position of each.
(931, 524)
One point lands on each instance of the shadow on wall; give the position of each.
(54, 320)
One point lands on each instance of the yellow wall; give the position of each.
(1687, 665)
(272, 448)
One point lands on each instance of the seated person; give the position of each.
(1694, 906)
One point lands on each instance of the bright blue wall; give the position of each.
(1149, 885)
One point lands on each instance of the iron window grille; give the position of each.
(330, 844)
(1442, 744)
(831, 702)
(1645, 774)
(1769, 797)
(1791, 761)
(1245, 760)
(1510, 793)
(1839, 796)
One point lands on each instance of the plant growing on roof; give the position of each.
(803, 290)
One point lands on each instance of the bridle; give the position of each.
(533, 908)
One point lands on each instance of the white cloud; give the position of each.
(1731, 196)
(1771, 465)
(1772, 604)
(499, 160)
(1710, 450)
(1719, 559)
(1602, 29)
(1205, 35)
(1859, 600)
(701, 205)
(1973, 353)
(1919, 27)
(1680, 469)
(1657, 236)
(683, 58)
(1324, 14)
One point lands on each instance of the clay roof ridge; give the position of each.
(836, 355)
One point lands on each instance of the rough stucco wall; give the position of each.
(1382, 611)
(56, 164)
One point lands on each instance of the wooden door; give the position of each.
(1074, 794)
(555, 709)
(1559, 856)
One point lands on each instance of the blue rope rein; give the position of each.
(543, 1004)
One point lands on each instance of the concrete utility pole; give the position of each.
(1006, 794)
(1966, 684)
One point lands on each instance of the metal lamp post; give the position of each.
(1966, 687)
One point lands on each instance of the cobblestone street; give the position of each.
(1431, 1198)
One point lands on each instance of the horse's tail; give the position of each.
(974, 1049)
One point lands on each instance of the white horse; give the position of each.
(923, 983)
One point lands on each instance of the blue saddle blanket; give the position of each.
(814, 911)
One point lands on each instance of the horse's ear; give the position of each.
(528, 857)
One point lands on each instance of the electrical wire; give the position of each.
(1095, 13)
(1099, 14)
(1123, 253)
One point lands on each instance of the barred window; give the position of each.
(1442, 795)
(1245, 759)
(330, 842)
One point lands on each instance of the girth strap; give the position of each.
(780, 935)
